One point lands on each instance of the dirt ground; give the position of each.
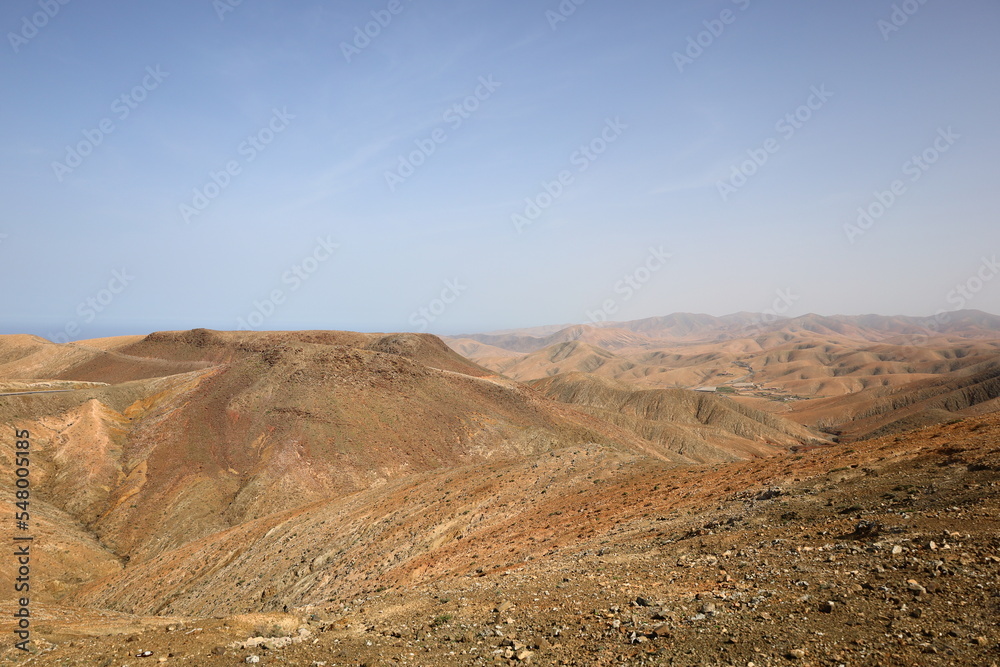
(883, 552)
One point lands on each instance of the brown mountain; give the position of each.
(362, 497)
(259, 423)
(766, 362)
(700, 426)
(944, 397)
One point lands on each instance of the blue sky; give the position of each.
(263, 164)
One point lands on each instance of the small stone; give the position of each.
(896, 550)
(914, 586)
(252, 659)
(503, 607)
(541, 643)
(980, 641)
(827, 607)
(524, 656)
(641, 602)
(708, 608)
(219, 650)
(796, 654)
(661, 630)
(867, 529)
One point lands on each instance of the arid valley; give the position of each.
(436, 334)
(684, 490)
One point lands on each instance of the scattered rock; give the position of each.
(768, 494)
(867, 529)
(661, 630)
(796, 654)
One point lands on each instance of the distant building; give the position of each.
(708, 390)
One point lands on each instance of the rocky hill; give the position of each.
(310, 497)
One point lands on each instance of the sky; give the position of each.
(458, 167)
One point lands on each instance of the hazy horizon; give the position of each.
(441, 167)
(767, 316)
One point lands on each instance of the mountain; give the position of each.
(206, 497)
(581, 550)
(949, 396)
(700, 426)
(607, 338)
(694, 328)
(752, 355)
(268, 422)
(149, 444)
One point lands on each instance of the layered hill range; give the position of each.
(862, 375)
(146, 445)
(331, 497)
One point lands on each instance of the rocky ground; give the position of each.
(882, 552)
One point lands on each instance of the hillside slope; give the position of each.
(700, 426)
(575, 554)
(273, 422)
